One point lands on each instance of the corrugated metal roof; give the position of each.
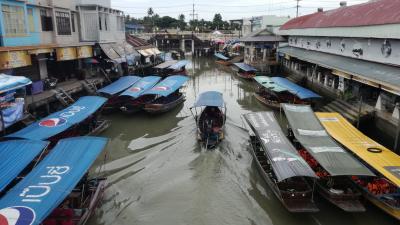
(377, 12)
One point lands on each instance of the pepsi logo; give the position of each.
(17, 215)
(53, 122)
(161, 88)
(135, 89)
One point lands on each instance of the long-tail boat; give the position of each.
(382, 190)
(245, 71)
(330, 162)
(113, 91)
(278, 162)
(221, 59)
(165, 95)
(133, 100)
(57, 191)
(162, 69)
(272, 91)
(81, 118)
(210, 120)
(179, 68)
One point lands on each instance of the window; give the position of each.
(63, 23)
(105, 22)
(47, 21)
(14, 20)
(73, 21)
(100, 22)
(31, 21)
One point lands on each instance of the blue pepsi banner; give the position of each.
(120, 85)
(15, 156)
(167, 86)
(62, 120)
(143, 85)
(50, 182)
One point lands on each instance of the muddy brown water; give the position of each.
(159, 174)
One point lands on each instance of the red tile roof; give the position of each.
(376, 12)
(137, 42)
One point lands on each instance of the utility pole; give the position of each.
(297, 7)
(193, 16)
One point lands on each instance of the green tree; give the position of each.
(181, 22)
(150, 12)
(217, 21)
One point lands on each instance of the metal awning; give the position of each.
(387, 77)
(112, 53)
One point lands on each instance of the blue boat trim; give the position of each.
(245, 67)
(141, 86)
(167, 86)
(210, 98)
(61, 121)
(51, 181)
(295, 89)
(121, 84)
(220, 56)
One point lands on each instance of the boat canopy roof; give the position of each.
(269, 84)
(166, 64)
(313, 137)
(295, 89)
(141, 86)
(220, 56)
(61, 121)
(167, 86)
(121, 84)
(15, 157)
(285, 159)
(385, 162)
(210, 98)
(245, 67)
(180, 64)
(9, 82)
(51, 181)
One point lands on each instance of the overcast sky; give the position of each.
(230, 9)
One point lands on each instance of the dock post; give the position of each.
(359, 112)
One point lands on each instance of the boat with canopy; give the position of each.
(382, 190)
(221, 59)
(210, 121)
(132, 98)
(279, 163)
(16, 156)
(330, 162)
(179, 68)
(165, 95)
(113, 90)
(272, 91)
(81, 118)
(57, 191)
(245, 71)
(171, 67)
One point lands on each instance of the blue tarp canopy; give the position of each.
(295, 89)
(8, 82)
(180, 64)
(167, 86)
(15, 156)
(143, 85)
(245, 67)
(121, 84)
(220, 56)
(51, 181)
(62, 120)
(210, 98)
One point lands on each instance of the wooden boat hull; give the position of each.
(101, 126)
(245, 76)
(95, 200)
(210, 143)
(292, 205)
(266, 102)
(224, 63)
(162, 108)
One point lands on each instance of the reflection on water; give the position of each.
(159, 174)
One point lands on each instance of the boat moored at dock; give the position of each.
(278, 162)
(382, 190)
(221, 59)
(210, 121)
(245, 71)
(330, 162)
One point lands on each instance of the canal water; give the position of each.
(159, 174)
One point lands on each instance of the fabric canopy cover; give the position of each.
(386, 162)
(121, 84)
(220, 56)
(51, 181)
(245, 67)
(179, 65)
(168, 86)
(210, 98)
(166, 64)
(284, 158)
(15, 156)
(295, 89)
(141, 86)
(61, 121)
(269, 84)
(313, 137)
(9, 82)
